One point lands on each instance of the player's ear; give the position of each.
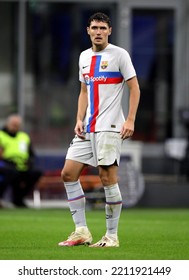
(88, 30)
(110, 31)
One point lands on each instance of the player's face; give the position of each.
(99, 32)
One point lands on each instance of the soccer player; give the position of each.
(104, 69)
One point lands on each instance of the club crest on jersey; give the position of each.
(104, 64)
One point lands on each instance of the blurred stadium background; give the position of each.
(39, 49)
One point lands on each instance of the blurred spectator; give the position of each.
(16, 161)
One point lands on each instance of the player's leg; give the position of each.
(78, 156)
(108, 175)
(75, 195)
(76, 201)
(108, 152)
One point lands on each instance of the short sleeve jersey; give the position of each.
(105, 73)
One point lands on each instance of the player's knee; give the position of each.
(68, 176)
(106, 181)
(65, 175)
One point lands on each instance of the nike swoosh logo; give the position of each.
(85, 66)
(100, 159)
(73, 212)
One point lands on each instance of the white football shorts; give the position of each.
(98, 148)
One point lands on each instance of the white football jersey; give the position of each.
(105, 73)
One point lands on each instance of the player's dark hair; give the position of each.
(99, 17)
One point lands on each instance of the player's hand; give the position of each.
(79, 130)
(127, 129)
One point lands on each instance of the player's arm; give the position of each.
(134, 97)
(81, 111)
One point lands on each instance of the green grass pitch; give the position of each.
(145, 234)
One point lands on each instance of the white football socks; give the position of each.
(76, 202)
(113, 209)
